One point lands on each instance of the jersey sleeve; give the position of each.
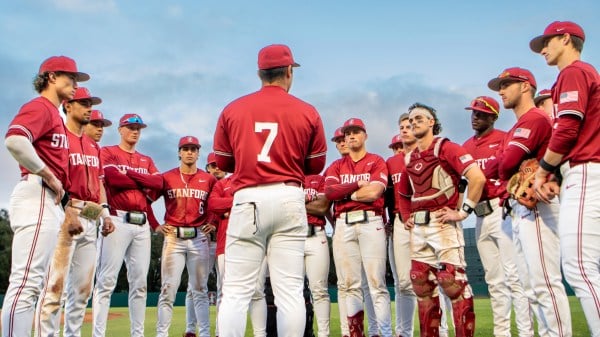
(379, 173)
(457, 157)
(530, 135)
(571, 93)
(315, 160)
(32, 121)
(222, 146)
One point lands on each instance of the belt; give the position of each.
(132, 217)
(485, 207)
(369, 213)
(292, 183)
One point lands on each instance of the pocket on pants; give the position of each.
(243, 221)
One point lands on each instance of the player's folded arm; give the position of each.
(151, 181)
(117, 180)
(512, 157)
(565, 135)
(335, 191)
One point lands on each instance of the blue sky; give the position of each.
(178, 63)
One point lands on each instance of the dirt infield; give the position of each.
(88, 317)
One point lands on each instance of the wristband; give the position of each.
(546, 166)
(467, 208)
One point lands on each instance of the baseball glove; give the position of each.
(88, 209)
(520, 185)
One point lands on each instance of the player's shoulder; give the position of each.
(578, 68)
(535, 116)
(374, 156)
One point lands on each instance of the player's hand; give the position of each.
(53, 183)
(107, 226)
(548, 191)
(226, 215)
(448, 214)
(208, 228)
(72, 224)
(162, 230)
(410, 223)
(122, 171)
(362, 183)
(541, 179)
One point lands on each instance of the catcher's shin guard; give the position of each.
(423, 279)
(464, 317)
(356, 324)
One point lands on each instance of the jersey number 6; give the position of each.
(272, 127)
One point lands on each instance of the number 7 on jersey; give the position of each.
(272, 127)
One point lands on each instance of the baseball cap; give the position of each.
(189, 140)
(353, 123)
(97, 116)
(83, 93)
(129, 119)
(337, 134)
(397, 139)
(542, 95)
(556, 28)
(485, 104)
(275, 56)
(515, 74)
(211, 159)
(64, 64)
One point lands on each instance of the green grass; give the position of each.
(120, 326)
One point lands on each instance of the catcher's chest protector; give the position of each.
(432, 186)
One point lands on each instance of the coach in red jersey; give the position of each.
(130, 178)
(535, 231)
(37, 139)
(356, 183)
(574, 147)
(493, 235)
(188, 224)
(75, 258)
(434, 170)
(270, 139)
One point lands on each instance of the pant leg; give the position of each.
(341, 286)
(369, 307)
(406, 298)
(316, 261)
(258, 304)
(191, 323)
(137, 261)
(197, 262)
(220, 274)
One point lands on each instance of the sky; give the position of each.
(178, 63)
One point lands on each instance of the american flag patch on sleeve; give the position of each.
(522, 133)
(465, 158)
(569, 96)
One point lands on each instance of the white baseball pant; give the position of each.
(536, 231)
(406, 300)
(177, 254)
(364, 243)
(70, 280)
(371, 316)
(342, 293)
(265, 220)
(316, 260)
(191, 322)
(497, 253)
(129, 243)
(35, 221)
(579, 230)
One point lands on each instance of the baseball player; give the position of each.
(574, 148)
(340, 144)
(130, 178)
(316, 254)
(494, 244)
(544, 101)
(95, 127)
(271, 140)
(431, 179)
(361, 177)
(38, 141)
(75, 265)
(405, 298)
(190, 315)
(535, 231)
(187, 226)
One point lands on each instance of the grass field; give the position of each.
(119, 325)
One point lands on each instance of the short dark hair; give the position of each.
(273, 74)
(577, 43)
(437, 126)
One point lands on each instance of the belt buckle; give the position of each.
(187, 232)
(135, 218)
(483, 208)
(422, 217)
(353, 217)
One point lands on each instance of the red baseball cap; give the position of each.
(275, 56)
(397, 139)
(337, 134)
(97, 116)
(512, 75)
(64, 64)
(83, 93)
(129, 119)
(485, 104)
(554, 29)
(189, 140)
(211, 159)
(354, 123)
(542, 95)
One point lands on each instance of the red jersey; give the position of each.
(186, 197)
(577, 93)
(128, 192)
(85, 169)
(528, 138)
(396, 168)
(39, 120)
(219, 203)
(442, 155)
(272, 137)
(484, 149)
(315, 184)
(370, 168)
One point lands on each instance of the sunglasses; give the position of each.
(133, 120)
(481, 103)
